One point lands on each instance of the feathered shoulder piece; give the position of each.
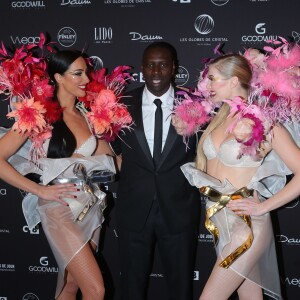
(274, 95)
(102, 107)
(25, 83)
(192, 111)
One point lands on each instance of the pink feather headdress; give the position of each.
(276, 86)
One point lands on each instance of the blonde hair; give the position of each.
(228, 65)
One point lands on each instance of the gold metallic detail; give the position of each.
(221, 201)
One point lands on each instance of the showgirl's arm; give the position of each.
(289, 152)
(9, 145)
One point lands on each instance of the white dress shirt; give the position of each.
(148, 110)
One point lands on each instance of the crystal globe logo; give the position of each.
(30, 296)
(204, 24)
(219, 2)
(96, 63)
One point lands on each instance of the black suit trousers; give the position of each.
(176, 251)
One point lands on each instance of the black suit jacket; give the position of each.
(140, 181)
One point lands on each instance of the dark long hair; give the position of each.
(62, 143)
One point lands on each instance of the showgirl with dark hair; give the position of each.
(54, 140)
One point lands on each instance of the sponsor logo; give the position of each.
(2, 192)
(43, 267)
(287, 240)
(203, 199)
(292, 204)
(296, 36)
(126, 2)
(25, 40)
(156, 275)
(260, 29)
(196, 275)
(34, 230)
(159, 275)
(115, 233)
(182, 1)
(182, 76)
(103, 35)
(30, 296)
(7, 267)
(205, 238)
(75, 2)
(204, 24)
(261, 37)
(27, 4)
(135, 36)
(67, 36)
(44, 261)
(23, 193)
(141, 78)
(137, 76)
(219, 2)
(291, 281)
(96, 62)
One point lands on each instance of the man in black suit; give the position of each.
(155, 203)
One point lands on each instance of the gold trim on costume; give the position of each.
(221, 201)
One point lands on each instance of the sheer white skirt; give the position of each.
(65, 235)
(259, 263)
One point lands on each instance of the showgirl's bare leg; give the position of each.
(223, 282)
(83, 273)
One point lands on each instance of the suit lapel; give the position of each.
(137, 116)
(171, 138)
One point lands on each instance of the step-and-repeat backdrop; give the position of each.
(115, 32)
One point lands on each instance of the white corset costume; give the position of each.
(65, 235)
(88, 147)
(259, 261)
(228, 154)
